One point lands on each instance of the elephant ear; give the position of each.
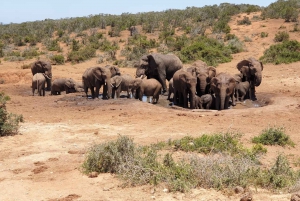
(99, 73)
(153, 61)
(117, 81)
(214, 82)
(212, 71)
(243, 63)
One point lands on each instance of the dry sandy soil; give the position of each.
(42, 162)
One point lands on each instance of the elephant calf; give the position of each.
(241, 89)
(147, 87)
(121, 83)
(64, 84)
(38, 82)
(203, 102)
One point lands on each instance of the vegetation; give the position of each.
(244, 21)
(9, 123)
(286, 52)
(281, 36)
(284, 9)
(273, 136)
(226, 163)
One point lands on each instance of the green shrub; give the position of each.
(286, 52)
(30, 53)
(245, 21)
(287, 10)
(206, 49)
(235, 45)
(281, 36)
(273, 136)
(52, 45)
(264, 34)
(81, 55)
(9, 123)
(58, 59)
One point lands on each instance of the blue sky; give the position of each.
(17, 11)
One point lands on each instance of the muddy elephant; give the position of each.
(159, 66)
(43, 67)
(93, 78)
(121, 83)
(203, 102)
(184, 87)
(171, 90)
(147, 87)
(223, 86)
(38, 82)
(65, 84)
(252, 72)
(241, 89)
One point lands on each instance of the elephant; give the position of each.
(204, 74)
(241, 89)
(114, 70)
(43, 67)
(171, 89)
(121, 83)
(38, 82)
(223, 86)
(184, 85)
(147, 87)
(159, 66)
(65, 84)
(252, 72)
(96, 77)
(203, 102)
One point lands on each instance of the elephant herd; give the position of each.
(196, 86)
(200, 86)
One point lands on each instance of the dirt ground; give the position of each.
(42, 162)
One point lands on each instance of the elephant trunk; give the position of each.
(192, 100)
(258, 79)
(202, 85)
(223, 95)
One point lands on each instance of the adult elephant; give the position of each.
(184, 85)
(252, 72)
(160, 67)
(64, 84)
(223, 86)
(45, 68)
(204, 74)
(95, 77)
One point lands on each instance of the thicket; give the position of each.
(285, 52)
(224, 163)
(9, 123)
(283, 9)
(54, 32)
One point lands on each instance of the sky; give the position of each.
(18, 11)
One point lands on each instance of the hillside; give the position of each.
(43, 162)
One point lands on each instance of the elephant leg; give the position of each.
(226, 105)
(113, 93)
(48, 84)
(252, 93)
(86, 91)
(218, 102)
(119, 92)
(233, 99)
(92, 92)
(141, 92)
(43, 91)
(185, 99)
(162, 80)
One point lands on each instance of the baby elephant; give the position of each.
(147, 87)
(203, 102)
(38, 82)
(121, 83)
(241, 89)
(64, 84)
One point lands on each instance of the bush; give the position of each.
(287, 10)
(281, 36)
(9, 123)
(273, 136)
(58, 59)
(30, 53)
(82, 54)
(264, 34)
(286, 52)
(206, 49)
(245, 21)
